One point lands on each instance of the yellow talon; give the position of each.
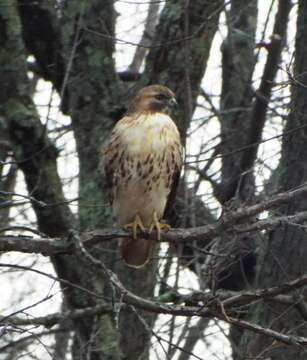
(137, 222)
(158, 225)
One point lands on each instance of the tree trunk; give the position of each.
(283, 254)
(76, 55)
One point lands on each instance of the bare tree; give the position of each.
(238, 217)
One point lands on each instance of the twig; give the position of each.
(237, 222)
(214, 307)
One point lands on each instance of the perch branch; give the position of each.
(236, 222)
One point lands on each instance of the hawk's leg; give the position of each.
(137, 222)
(155, 224)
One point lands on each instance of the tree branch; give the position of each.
(236, 222)
(41, 35)
(263, 94)
(33, 151)
(52, 319)
(150, 24)
(208, 306)
(177, 61)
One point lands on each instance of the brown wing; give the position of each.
(111, 153)
(177, 159)
(168, 212)
(136, 253)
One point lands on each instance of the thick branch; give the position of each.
(181, 64)
(150, 24)
(208, 306)
(258, 114)
(53, 319)
(213, 308)
(47, 246)
(238, 62)
(27, 244)
(41, 35)
(33, 151)
(236, 170)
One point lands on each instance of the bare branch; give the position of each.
(53, 319)
(286, 339)
(208, 306)
(263, 94)
(52, 246)
(28, 244)
(150, 24)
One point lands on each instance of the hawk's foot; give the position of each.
(134, 225)
(156, 224)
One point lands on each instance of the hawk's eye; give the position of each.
(160, 97)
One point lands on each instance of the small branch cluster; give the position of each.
(224, 305)
(235, 222)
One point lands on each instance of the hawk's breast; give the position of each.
(150, 157)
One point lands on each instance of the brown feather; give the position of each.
(140, 160)
(136, 253)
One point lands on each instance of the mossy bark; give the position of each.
(283, 255)
(81, 67)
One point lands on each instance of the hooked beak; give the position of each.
(173, 103)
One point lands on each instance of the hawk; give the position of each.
(142, 160)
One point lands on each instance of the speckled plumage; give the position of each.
(141, 160)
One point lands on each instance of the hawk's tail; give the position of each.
(136, 252)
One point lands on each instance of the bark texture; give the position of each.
(283, 255)
(74, 51)
(110, 314)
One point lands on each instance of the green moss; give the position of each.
(109, 339)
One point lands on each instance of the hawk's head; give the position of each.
(153, 98)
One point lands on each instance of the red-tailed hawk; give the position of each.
(141, 161)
